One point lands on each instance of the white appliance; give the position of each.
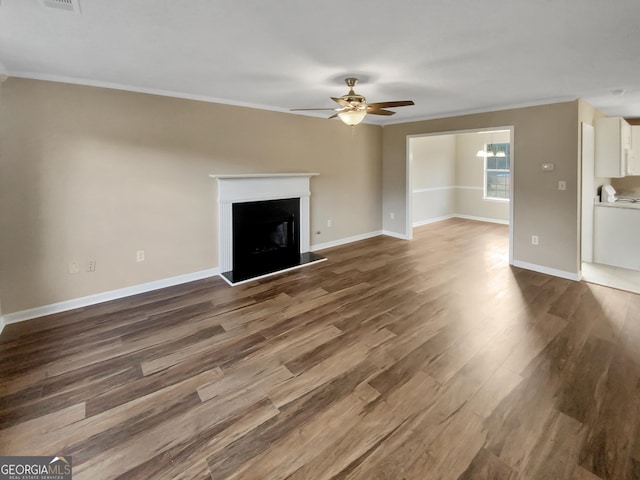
(608, 194)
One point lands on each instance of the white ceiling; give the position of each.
(449, 57)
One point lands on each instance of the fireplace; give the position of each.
(265, 236)
(263, 224)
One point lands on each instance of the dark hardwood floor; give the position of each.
(429, 359)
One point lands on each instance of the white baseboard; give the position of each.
(528, 266)
(344, 241)
(547, 270)
(460, 215)
(432, 220)
(389, 233)
(481, 219)
(66, 305)
(105, 296)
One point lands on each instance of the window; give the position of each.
(497, 175)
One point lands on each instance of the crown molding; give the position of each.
(224, 101)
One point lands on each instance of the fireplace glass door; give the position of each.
(266, 236)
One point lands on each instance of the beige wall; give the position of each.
(542, 134)
(433, 177)
(447, 177)
(470, 177)
(433, 161)
(97, 174)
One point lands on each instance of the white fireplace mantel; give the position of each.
(253, 187)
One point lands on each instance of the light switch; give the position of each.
(562, 185)
(548, 167)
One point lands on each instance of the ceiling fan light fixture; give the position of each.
(352, 117)
(354, 107)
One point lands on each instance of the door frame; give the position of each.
(409, 191)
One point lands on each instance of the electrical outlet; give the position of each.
(534, 240)
(329, 223)
(392, 215)
(562, 185)
(74, 267)
(140, 256)
(92, 266)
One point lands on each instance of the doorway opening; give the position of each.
(608, 240)
(460, 174)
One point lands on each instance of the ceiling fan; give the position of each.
(354, 107)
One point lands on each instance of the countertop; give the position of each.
(631, 206)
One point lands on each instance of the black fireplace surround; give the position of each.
(265, 234)
(266, 238)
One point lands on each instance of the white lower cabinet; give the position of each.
(616, 236)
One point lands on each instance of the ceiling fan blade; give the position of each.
(306, 109)
(340, 101)
(333, 116)
(379, 111)
(357, 104)
(399, 103)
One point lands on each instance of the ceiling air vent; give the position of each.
(65, 5)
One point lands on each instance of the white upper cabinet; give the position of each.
(613, 148)
(633, 165)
